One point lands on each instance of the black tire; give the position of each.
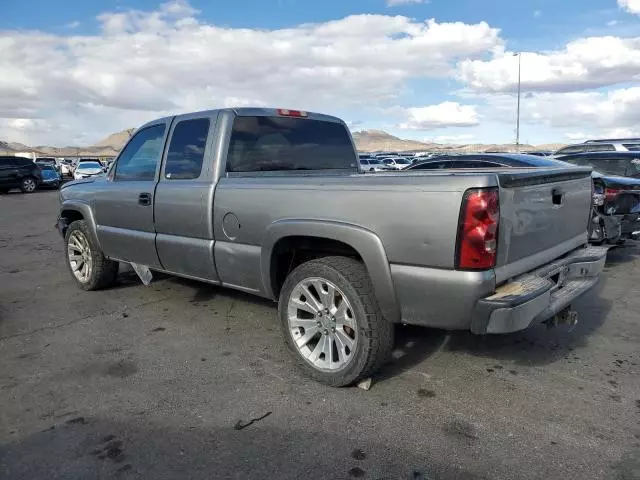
(103, 272)
(375, 333)
(28, 185)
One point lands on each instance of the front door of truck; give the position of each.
(123, 204)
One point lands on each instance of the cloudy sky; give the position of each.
(74, 71)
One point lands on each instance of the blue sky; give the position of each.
(439, 69)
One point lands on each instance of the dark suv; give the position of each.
(19, 172)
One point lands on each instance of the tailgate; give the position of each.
(542, 211)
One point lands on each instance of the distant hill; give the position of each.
(116, 140)
(366, 141)
(376, 140)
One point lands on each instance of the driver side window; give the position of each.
(139, 159)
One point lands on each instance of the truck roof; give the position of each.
(256, 112)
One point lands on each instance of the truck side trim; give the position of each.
(366, 243)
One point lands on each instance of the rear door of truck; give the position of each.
(184, 197)
(544, 214)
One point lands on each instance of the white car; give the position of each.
(87, 169)
(372, 165)
(396, 163)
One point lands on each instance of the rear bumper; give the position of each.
(539, 295)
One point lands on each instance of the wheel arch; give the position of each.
(332, 238)
(70, 211)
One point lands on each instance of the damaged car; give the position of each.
(615, 200)
(616, 191)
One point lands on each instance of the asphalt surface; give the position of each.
(162, 382)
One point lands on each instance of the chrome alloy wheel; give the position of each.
(79, 254)
(321, 324)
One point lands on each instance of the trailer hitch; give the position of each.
(564, 317)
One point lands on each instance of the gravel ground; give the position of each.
(163, 382)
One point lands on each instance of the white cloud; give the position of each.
(624, 132)
(395, 3)
(463, 138)
(584, 63)
(631, 6)
(612, 23)
(144, 64)
(446, 114)
(594, 113)
(575, 136)
(537, 13)
(73, 25)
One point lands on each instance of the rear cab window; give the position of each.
(276, 144)
(186, 149)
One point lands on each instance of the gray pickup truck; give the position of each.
(273, 203)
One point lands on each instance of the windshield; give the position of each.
(403, 161)
(89, 165)
(374, 161)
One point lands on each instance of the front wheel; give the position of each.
(332, 323)
(89, 267)
(28, 185)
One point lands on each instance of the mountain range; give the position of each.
(366, 141)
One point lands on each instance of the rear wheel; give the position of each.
(89, 267)
(28, 185)
(332, 323)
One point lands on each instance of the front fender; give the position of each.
(85, 210)
(366, 243)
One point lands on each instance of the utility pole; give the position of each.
(519, 55)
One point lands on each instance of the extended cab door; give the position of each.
(123, 204)
(184, 198)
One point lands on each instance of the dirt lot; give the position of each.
(161, 382)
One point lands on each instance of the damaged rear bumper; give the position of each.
(541, 294)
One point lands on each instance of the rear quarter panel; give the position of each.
(415, 216)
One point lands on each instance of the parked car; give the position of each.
(396, 163)
(19, 172)
(602, 145)
(46, 162)
(87, 168)
(619, 173)
(66, 167)
(273, 203)
(50, 177)
(372, 165)
(613, 216)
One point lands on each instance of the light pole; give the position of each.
(519, 55)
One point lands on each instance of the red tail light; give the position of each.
(478, 234)
(610, 194)
(291, 113)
